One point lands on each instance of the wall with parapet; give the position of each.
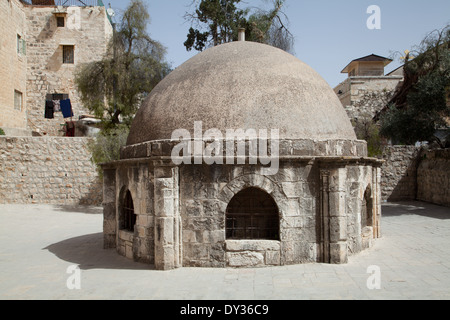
(48, 170)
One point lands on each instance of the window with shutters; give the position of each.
(68, 54)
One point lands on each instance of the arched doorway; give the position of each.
(127, 216)
(252, 214)
(367, 209)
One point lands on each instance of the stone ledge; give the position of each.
(287, 147)
(126, 235)
(252, 245)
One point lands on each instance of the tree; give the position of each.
(419, 107)
(114, 87)
(218, 21)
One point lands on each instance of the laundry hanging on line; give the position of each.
(66, 108)
(49, 110)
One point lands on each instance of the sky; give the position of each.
(328, 34)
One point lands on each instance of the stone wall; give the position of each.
(88, 30)
(13, 64)
(365, 96)
(399, 181)
(47, 170)
(434, 177)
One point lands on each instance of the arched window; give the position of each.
(128, 216)
(252, 215)
(366, 210)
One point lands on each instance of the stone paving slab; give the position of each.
(39, 244)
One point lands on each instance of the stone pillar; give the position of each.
(109, 209)
(333, 215)
(377, 200)
(168, 247)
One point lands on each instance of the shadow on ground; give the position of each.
(87, 252)
(78, 209)
(395, 209)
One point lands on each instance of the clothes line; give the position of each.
(64, 106)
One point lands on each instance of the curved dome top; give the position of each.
(243, 85)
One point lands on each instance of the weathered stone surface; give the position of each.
(433, 177)
(399, 173)
(50, 170)
(252, 245)
(245, 259)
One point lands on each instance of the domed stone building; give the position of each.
(321, 204)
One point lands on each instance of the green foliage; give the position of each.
(218, 22)
(114, 87)
(2, 133)
(106, 146)
(420, 107)
(367, 130)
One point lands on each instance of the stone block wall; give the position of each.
(139, 180)
(433, 177)
(399, 180)
(47, 170)
(365, 96)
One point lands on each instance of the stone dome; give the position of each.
(243, 85)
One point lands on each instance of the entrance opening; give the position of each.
(366, 210)
(252, 215)
(128, 220)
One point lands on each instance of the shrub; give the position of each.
(106, 146)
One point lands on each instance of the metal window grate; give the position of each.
(252, 215)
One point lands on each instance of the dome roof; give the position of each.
(243, 85)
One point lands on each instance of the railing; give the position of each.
(65, 3)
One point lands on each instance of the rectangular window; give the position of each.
(60, 22)
(68, 54)
(18, 100)
(21, 45)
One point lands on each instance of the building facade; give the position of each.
(40, 51)
(367, 89)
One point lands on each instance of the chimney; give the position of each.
(241, 34)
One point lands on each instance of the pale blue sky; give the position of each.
(328, 34)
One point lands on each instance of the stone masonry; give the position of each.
(31, 60)
(363, 97)
(399, 173)
(434, 177)
(47, 170)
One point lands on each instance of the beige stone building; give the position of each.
(41, 46)
(367, 89)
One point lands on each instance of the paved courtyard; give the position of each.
(40, 243)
